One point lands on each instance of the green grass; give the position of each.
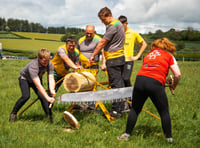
(13, 46)
(28, 44)
(47, 36)
(32, 129)
(6, 35)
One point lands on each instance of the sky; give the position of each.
(144, 16)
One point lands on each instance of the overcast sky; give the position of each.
(143, 15)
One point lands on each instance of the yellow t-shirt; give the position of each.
(131, 37)
(59, 64)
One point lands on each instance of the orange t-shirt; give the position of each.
(156, 64)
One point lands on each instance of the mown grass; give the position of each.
(47, 36)
(26, 45)
(32, 129)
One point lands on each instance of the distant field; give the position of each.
(28, 44)
(46, 36)
(192, 45)
(7, 35)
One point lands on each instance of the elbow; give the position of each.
(144, 44)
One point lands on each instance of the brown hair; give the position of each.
(104, 12)
(165, 44)
(71, 39)
(43, 53)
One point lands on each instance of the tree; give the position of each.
(2, 24)
(158, 34)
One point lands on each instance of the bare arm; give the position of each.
(99, 47)
(69, 62)
(52, 85)
(177, 75)
(41, 89)
(103, 65)
(142, 48)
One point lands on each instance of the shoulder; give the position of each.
(62, 48)
(33, 65)
(81, 40)
(129, 30)
(96, 38)
(76, 51)
(115, 23)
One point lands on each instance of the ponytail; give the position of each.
(164, 44)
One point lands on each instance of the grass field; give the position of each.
(47, 36)
(29, 44)
(33, 130)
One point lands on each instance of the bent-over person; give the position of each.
(31, 76)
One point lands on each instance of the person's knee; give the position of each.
(25, 96)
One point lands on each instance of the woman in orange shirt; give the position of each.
(150, 82)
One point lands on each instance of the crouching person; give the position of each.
(31, 76)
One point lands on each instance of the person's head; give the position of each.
(105, 15)
(44, 56)
(71, 43)
(123, 20)
(89, 32)
(164, 44)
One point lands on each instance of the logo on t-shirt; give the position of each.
(154, 54)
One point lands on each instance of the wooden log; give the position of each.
(76, 82)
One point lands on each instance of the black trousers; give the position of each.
(115, 71)
(127, 71)
(25, 90)
(148, 87)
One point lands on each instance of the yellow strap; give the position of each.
(116, 54)
(85, 61)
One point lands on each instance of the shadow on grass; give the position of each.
(146, 130)
(33, 117)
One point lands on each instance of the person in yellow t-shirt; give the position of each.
(66, 57)
(131, 38)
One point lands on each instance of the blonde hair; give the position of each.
(164, 44)
(43, 53)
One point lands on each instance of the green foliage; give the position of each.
(77, 36)
(32, 129)
(185, 35)
(180, 45)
